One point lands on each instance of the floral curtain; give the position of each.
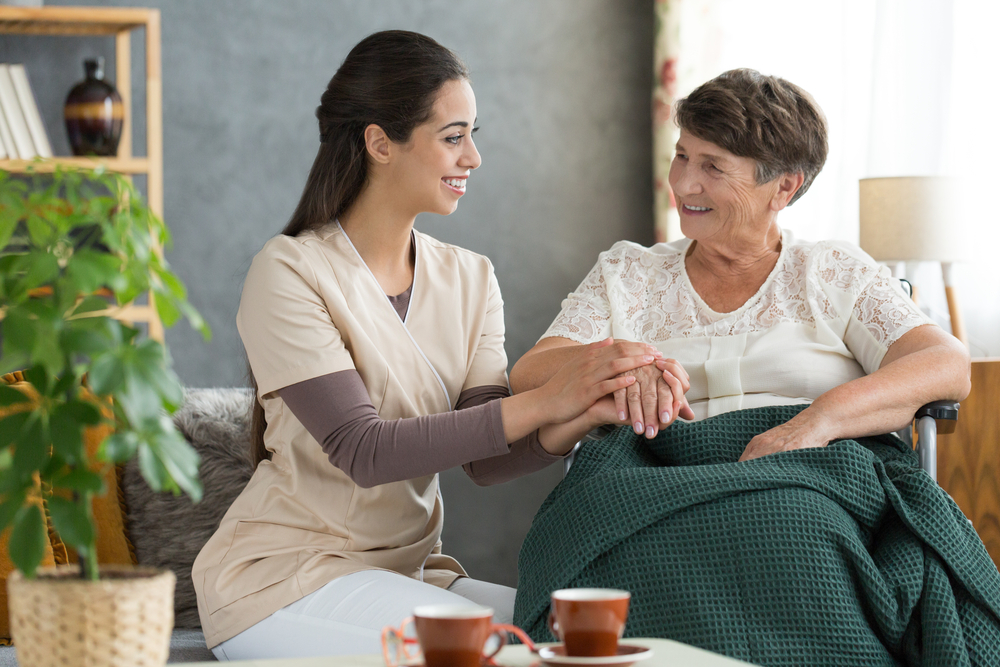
(665, 50)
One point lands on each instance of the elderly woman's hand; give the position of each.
(656, 398)
(806, 430)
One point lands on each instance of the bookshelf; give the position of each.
(120, 23)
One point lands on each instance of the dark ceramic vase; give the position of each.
(94, 113)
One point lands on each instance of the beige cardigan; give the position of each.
(310, 306)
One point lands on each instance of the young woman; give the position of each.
(377, 354)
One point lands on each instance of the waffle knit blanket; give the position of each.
(847, 555)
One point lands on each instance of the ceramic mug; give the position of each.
(589, 621)
(448, 635)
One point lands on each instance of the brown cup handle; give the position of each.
(554, 625)
(517, 632)
(498, 632)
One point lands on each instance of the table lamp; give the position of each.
(916, 218)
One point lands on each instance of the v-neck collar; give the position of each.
(715, 315)
(413, 285)
(413, 294)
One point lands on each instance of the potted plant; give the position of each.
(76, 247)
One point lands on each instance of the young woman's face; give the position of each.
(432, 169)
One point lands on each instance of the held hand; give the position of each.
(595, 373)
(803, 431)
(656, 398)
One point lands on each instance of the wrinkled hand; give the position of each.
(656, 398)
(801, 432)
(597, 372)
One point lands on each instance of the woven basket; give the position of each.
(125, 618)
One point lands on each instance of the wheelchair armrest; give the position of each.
(945, 413)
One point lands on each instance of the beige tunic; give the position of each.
(311, 307)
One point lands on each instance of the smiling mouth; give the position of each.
(456, 184)
(695, 209)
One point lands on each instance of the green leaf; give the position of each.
(91, 304)
(80, 480)
(41, 268)
(10, 506)
(119, 447)
(38, 378)
(10, 396)
(18, 332)
(67, 435)
(137, 396)
(47, 351)
(107, 372)
(91, 270)
(64, 383)
(28, 539)
(39, 230)
(172, 283)
(151, 364)
(167, 310)
(84, 412)
(72, 522)
(180, 459)
(10, 427)
(31, 448)
(153, 470)
(8, 224)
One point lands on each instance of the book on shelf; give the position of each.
(19, 76)
(6, 138)
(15, 117)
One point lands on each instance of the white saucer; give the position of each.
(627, 654)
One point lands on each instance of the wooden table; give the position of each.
(969, 458)
(666, 653)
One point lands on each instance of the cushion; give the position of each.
(168, 531)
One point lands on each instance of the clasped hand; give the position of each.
(656, 398)
(646, 387)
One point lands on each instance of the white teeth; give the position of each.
(697, 208)
(456, 182)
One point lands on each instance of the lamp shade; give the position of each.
(912, 218)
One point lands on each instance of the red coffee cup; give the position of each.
(449, 635)
(589, 621)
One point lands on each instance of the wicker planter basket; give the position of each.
(126, 618)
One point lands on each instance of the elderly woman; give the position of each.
(843, 552)
(746, 314)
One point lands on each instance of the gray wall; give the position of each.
(563, 92)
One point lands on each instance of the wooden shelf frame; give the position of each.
(120, 23)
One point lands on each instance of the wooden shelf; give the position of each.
(71, 20)
(118, 23)
(127, 165)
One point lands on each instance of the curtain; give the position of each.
(666, 46)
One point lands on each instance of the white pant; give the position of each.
(346, 616)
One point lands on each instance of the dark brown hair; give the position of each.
(765, 118)
(390, 79)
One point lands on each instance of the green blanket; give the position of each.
(846, 555)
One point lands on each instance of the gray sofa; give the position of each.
(169, 531)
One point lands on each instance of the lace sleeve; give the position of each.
(880, 307)
(586, 313)
(886, 311)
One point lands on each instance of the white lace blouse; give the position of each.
(826, 315)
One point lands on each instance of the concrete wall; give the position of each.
(563, 91)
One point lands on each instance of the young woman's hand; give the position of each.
(599, 371)
(656, 398)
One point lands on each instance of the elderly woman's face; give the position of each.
(716, 194)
